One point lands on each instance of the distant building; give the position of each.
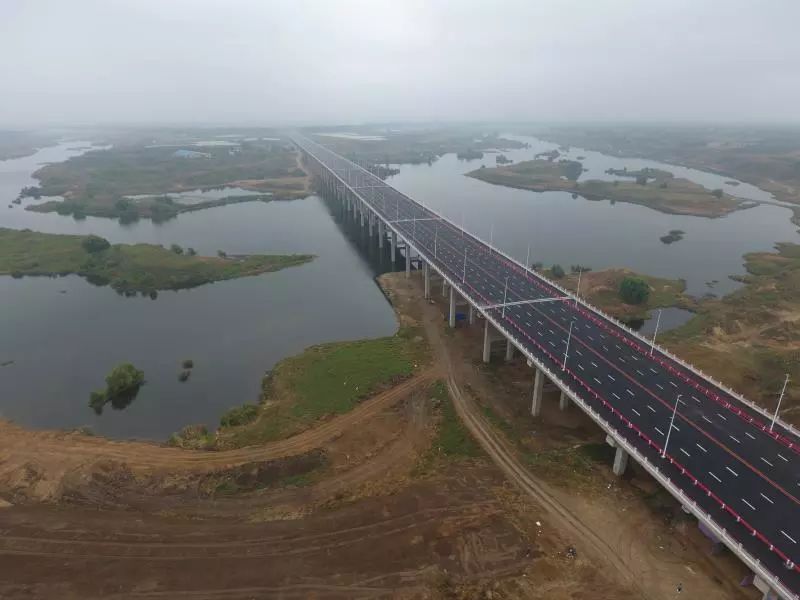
(190, 154)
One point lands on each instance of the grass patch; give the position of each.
(325, 380)
(143, 268)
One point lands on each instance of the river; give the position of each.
(64, 335)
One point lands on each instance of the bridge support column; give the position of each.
(763, 587)
(444, 287)
(536, 400)
(471, 315)
(393, 236)
(371, 219)
(426, 269)
(408, 260)
(620, 458)
(452, 314)
(563, 401)
(487, 341)
(509, 351)
(381, 233)
(361, 210)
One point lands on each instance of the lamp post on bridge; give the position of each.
(578, 287)
(655, 333)
(505, 295)
(528, 257)
(566, 352)
(464, 276)
(669, 431)
(777, 408)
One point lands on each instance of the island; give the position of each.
(127, 268)
(141, 180)
(656, 189)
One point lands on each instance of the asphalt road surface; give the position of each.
(721, 452)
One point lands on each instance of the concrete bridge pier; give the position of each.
(451, 318)
(408, 260)
(371, 220)
(426, 270)
(444, 287)
(620, 458)
(563, 401)
(536, 396)
(381, 233)
(471, 315)
(509, 351)
(393, 239)
(362, 215)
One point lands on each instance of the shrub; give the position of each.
(717, 193)
(188, 363)
(176, 249)
(123, 379)
(191, 251)
(557, 271)
(94, 243)
(239, 415)
(221, 254)
(634, 290)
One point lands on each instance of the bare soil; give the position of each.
(340, 511)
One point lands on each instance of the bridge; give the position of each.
(729, 463)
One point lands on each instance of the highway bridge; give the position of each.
(714, 451)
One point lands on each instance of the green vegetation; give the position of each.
(103, 183)
(674, 235)
(666, 193)
(324, 380)
(239, 415)
(128, 269)
(634, 290)
(122, 385)
(192, 437)
(188, 363)
(557, 271)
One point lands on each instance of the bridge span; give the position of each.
(713, 450)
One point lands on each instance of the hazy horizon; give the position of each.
(244, 62)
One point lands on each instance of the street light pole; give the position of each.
(578, 288)
(491, 237)
(566, 352)
(671, 421)
(777, 408)
(505, 295)
(464, 276)
(528, 257)
(655, 333)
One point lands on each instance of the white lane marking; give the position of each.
(606, 348)
(597, 380)
(673, 384)
(748, 504)
(701, 448)
(581, 367)
(685, 452)
(782, 457)
(630, 392)
(695, 399)
(658, 430)
(651, 408)
(675, 427)
(578, 352)
(734, 439)
(611, 378)
(634, 358)
(551, 332)
(750, 435)
(705, 418)
(732, 471)
(766, 461)
(590, 337)
(659, 386)
(638, 414)
(722, 417)
(639, 372)
(681, 402)
(528, 323)
(715, 477)
(615, 396)
(767, 499)
(788, 537)
(622, 359)
(539, 322)
(594, 364)
(653, 370)
(602, 336)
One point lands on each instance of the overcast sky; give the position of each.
(304, 61)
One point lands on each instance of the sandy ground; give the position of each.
(85, 517)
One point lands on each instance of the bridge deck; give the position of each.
(722, 460)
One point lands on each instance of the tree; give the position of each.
(221, 254)
(94, 243)
(717, 193)
(191, 251)
(557, 271)
(123, 379)
(634, 290)
(176, 249)
(641, 179)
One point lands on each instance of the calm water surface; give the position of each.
(600, 234)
